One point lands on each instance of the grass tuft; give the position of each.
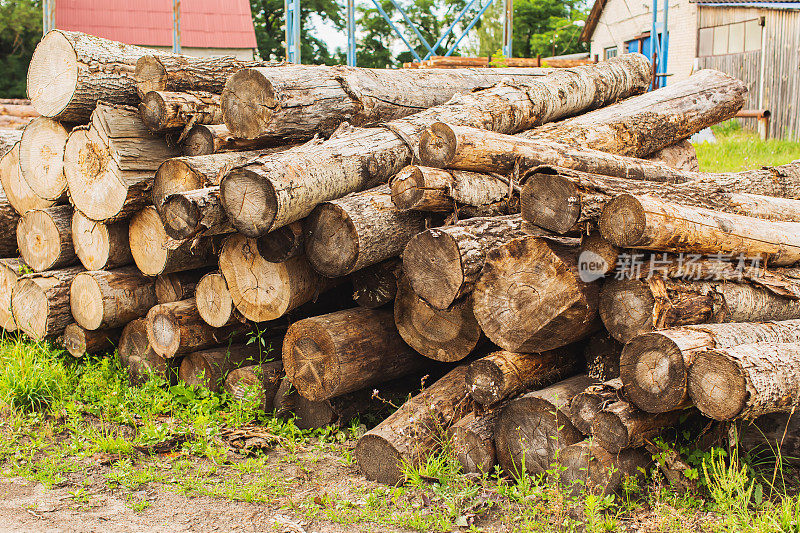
(33, 377)
(737, 150)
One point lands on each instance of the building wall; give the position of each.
(245, 54)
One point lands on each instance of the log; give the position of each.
(355, 159)
(40, 302)
(283, 243)
(16, 189)
(602, 355)
(9, 139)
(585, 405)
(162, 110)
(70, 71)
(376, 285)
(330, 355)
(412, 433)
(167, 72)
(435, 190)
(178, 286)
(209, 368)
(136, 355)
(530, 297)
(100, 246)
(680, 155)
(10, 271)
(621, 425)
(598, 256)
(9, 220)
(591, 468)
(264, 291)
(531, 430)
(206, 139)
(44, 238)
(176, 328)
(198, 212)
(213, 300)
(447, 335)
(41, 158)
(501, 375)
(472, 441)
(108, 299)
(633, 307)
(155, 253)
(746, 380)
(773, 435)
(256, 383)
(443, 264)
(79, 341)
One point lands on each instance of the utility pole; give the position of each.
(292, 10)
(176, 26)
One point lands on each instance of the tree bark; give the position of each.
(501, 375)
(8, 140)
(107, 299)
(622, 425)
(207, 139)
(136, 354)
(429, 189)
(161, 110)
(10, 271)
(100, 246)
(530, 297)
(213, 299)
(44, 238)
(602, 355)
(258, 383)
(654, 366)
(178, 286)
(264, 195)
(198, 212)
(442, 335)
(9, 220)
(40, 302)
(16, 189)
(680, 155)
(209, 368)
(330, 355)
(41, 158)
(167, 72)
(591, 468)
(594, 399)
(283, 243)
(472, 440)
(376, 285)
(413, 432)
(532, 429)
(79, 341)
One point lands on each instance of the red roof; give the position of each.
(204, 23)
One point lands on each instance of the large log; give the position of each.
(413, 432)
(209, 368)
(376, 285)
(472, 442)
(264, 195)
(10, 271)
(162, 110)
(41, 157)
(100, 246)
(206, 139)
(16, 189)
(107, 299)
(530, 296)
(44, 238)
(198, 212)
(447, 335)
(599, 254)
(746, 381)
(532, 429)
(40, 302)
(256, 383)
(622, 425)
(213, 300)
(178, 285)
(654, 366)
(501, 375)
(283, 243)
(589, 467)
(166, 72)
(330, 355)
(358, 230)
(138, 357)
(79, 341)
(70, 71)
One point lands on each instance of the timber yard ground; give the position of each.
(81, 450)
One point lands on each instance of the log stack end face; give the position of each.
(626, 308)
(249, 201)
(331, 240)
(623, 221)
(247, 103)
(306, 357)
(41, 157)
(86, 301)
(39, 240)
(378, 460)
(653, 372)
(432, 262)
(438, 145)
(52, 74)
(717, 386)
(30, 308)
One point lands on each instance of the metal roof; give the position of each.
(204, 23)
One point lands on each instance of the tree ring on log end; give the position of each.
(653, 372)
(92, 242)
(52, 74)
(182, 215)
(331, 240)
(38, 240)
(148, 242)
(195, 370)
(484, 382)
(311, 360)
(379, 460)
(717, 386)
(432, 262)
(626, 308)
(610, 432)
(153, 111)
(86, 301)
(247, 103)
(74, 340)
(214, 302)
(408, 187)
(545, 191)
(30, 308)
(249, 201)
(150, 75)
(41, 157)
(8, 279)
(437, 145)
(623, 221)
(173, 176)
(164, 334)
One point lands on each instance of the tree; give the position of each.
(537, 22)
(20, 31)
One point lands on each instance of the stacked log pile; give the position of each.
(419, 233)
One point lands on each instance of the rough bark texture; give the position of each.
(256, 383)
(100, 246)
(157, 72)
(9, 219)
(41, 157)
(10, 270)
(266, 194)
(16, 189)
(197, 212)
(161, 110)
(44, 238)
(602, 355)
(138, 357)
(330, 355)
(178, 286)
(412, 432)
(472, 441)
(654, 366)
(622, 425)
(108, 299)
(283, 243)
(206, 139)
(591, 468)
(40, 302)
(594, 399)
(680, 155)
(436, 190)
(9, 139)
(209, 368)
(79, 341)
(213, 299)
(376, 285)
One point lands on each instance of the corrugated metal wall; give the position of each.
(745, 66)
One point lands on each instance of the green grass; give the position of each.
(737, 150)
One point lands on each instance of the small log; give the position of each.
(595, 398)
(602, 355)
(162, 110)
(169, 72)
(472, 440)
(500, 375)
(108, 299)
(622, 425)
(599, 255)
(680, 155)
(258, 383)
(207, 139)
(435, 190)
(283, 243)
(136, 355)
(178, 286)
(530, 297)
(10, 271)
(591, 468)
(16, 189)
(213, 300)
(40, 302)
(198, 212)
(100, 246)
(532, 429)
(79, 341)
(44, 238)
(330, 355)
(209, 368)
(376, 285)
(412, 433)
(41, 157)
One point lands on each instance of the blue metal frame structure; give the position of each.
(659, 45)
(292, 10)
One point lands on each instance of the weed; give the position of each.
(32, 377)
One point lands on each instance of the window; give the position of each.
(610, 52)
(730, 38)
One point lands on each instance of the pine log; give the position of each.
(176, 328)
(436, 190)
(443, 264)
(283, 243)
(265, 291)
(100, 246)
(9, 139)
(79, 341)
(70, 71)
(532, 429)
(256, 383)
(263, 195)
(41, 158)
(413, 432)
(178, 286)
(197, 212)
(591, 468)
(376, 285)
(166, 72)
(155, 253)
(330, 355)
(472, 441)
(500, 375)
(44, 238)
(595, 398)
(103, 299)
(209, 368)
(16, 189)
(447, 335)
(680, 155)
(9, 220)
(530, 297)
(161, 110)
(622, 425)
(10, 271)
(206, 139)
(602, 355)
(213, 300)
(136, 355)
(40, 302)
(633, 307)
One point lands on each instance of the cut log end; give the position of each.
(49, 94)
(408, 188)
(150, 75)
(432, 252)
(312, 345)
(40, 240)
(247, 103)
(610, 432)
(485, 382)
(249, 202)
(199, 141)
(154, 111)
(626, 308)
(282, 244)
(86, 301)
(331, 240)
(163, 333)
(41, 157)
(196, 370)
(31, 309)
(379, 460)
(717, 386)
(174, 175)
(550, 201)
(183, 216)
(653, 372)
(138, 357)
(214, 302)
(623, 221)
(440, 144)
(79, 341)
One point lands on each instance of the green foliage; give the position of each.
(20, 31)
(32, 377)
(737, 150)
(546, 27)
